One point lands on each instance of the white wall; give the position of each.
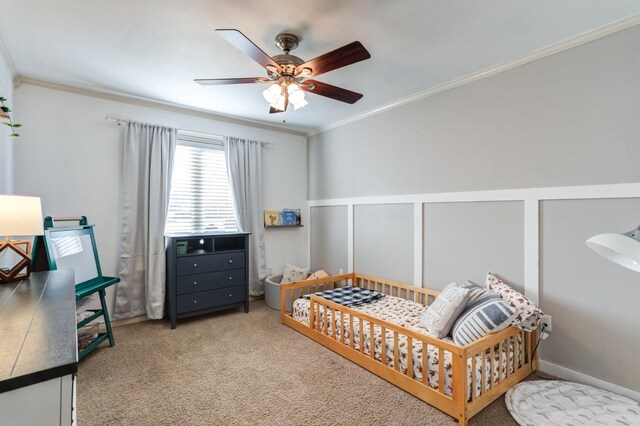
(71, 157)
(6, 143)
(567, 119)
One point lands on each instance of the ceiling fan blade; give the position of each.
(241, 41)
(333, 92)
(341, 57)
(212, 81)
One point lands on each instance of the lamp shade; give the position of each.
(622, 249)
(20, 216)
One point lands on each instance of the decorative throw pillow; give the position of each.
(475, 291)
(442, 313)
(528, 315)
(487, 314)
(320, 273)
(293, 273)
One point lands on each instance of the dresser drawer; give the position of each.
(210, 299)
(210, 281)
(209, 263)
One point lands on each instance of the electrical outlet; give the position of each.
(341, 271)
(546, 322)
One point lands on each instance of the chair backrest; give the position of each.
(73, 249)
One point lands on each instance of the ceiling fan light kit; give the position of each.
(290, 74)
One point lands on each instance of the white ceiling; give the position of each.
(154, 48)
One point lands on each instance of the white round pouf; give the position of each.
(559, 403)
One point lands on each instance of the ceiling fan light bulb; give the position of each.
(299, 104)
(269, 96)
(295, 94)
(279, 104)
(292, 87)
(276, 89)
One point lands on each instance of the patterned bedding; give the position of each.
(406, 313)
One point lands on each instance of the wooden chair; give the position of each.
(74, 247)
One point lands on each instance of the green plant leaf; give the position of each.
(14, 135)
(6, 123)
(5, 109)
(16, 125)
(2, 99)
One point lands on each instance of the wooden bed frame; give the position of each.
(457, 405)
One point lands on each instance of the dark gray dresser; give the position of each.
(206, 273)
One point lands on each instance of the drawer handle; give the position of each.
(230, 261)
(195, 265)
(195, 283)
(195, 302)
(230, 278)
(230, 295)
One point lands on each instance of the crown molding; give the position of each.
(535, 55)
(153, 103)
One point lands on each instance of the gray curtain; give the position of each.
(244, 166)
(146, 178)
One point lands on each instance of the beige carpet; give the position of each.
(241, 369)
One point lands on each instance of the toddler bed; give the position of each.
(434, 370)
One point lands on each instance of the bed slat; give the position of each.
(500, 355)
(492, 367)
(361, 335)
(351, 335)
(425, 362)
(441, 370)
(372, 350)
(396, 361)
(409, 357)
(473, 377)
(483, 376)
(326, 320)
(383, 345)
(312, 314)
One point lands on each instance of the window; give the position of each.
(200, 199)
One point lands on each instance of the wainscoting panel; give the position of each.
(383, 241)
(593, 301)
(464, 240)
(328, 239)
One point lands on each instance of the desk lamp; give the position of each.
(19, 217)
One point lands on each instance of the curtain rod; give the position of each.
(186, 134)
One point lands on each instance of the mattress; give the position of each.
(407, 314)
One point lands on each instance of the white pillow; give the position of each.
(320, 273)
(443, 312)
(293, 273)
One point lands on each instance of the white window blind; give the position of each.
(200, 199)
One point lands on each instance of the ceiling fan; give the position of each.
(290, 75)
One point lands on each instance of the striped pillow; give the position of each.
(475, 291)
(487, 314)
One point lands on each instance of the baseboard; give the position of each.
(139, 318)
(574, 376)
